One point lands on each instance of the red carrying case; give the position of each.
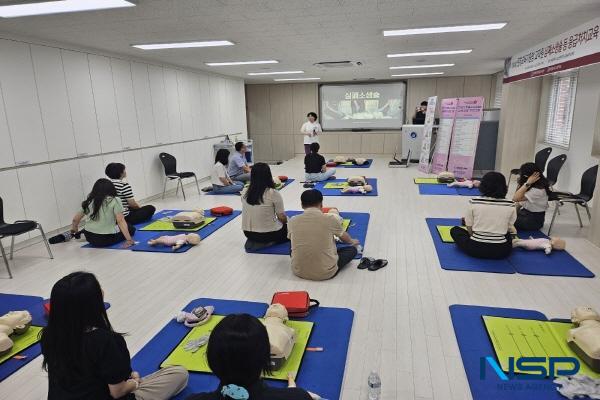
(298, 304)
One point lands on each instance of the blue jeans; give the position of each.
(231, 189)
(321, 176)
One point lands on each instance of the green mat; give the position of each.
(444, 231)
(513, 337)
(346, 224)
(197, 362)
(427, 181)
(335, 185)
(168, 226)
(22, 342)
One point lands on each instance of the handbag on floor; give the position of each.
(298, 304)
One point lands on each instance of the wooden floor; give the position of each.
(402, 327)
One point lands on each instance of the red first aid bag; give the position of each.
(297, 304)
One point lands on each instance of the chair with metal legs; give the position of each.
(588, 185)
(170, 165)
(541, 157)
(15, 229)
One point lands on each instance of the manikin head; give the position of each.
(558, 243)
(277, 311)
(193, 238)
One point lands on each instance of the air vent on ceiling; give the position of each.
(337, 64)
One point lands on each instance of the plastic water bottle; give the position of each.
(374, 386)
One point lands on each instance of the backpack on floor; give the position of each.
(297, 304)
(221, 211)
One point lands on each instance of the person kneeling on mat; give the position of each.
(132, 211)
(105, 225)
(263, 215)
(315, 166)
(532, 198)
(314, 252)
(86, 359)
(489, 221)
(238, 353)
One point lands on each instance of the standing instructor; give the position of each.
(311, 130)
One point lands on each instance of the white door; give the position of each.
(54, 102)
(91, 169)
(81, 99)
(106, 107)
(39, 198)
(136, 176)
(10, 192)
(185, 83)
(174, 112)
(214, 105)
(21, 103)
(130, 136)
(7, 158)
(143, 103)
(159, 104)
(69, 191)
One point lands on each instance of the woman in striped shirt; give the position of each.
(132, 211)
(489, 221)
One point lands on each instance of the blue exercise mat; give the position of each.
(557, 263)
(366, 165)
(474, 343)
(451, 258)
(142, 237)
(443, 190)
(211, 193)
(320, 186)
(33, 304)
(436, 189)
(359, 224)
(320, 372)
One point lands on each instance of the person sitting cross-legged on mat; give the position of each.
(238, 168)
(314, 252)
(488, 220)
(86, 359)
(532, 198)
(221, 182)
(133, 212)
(238, 353)
(263, 214)
(105, 224)
(315, 165)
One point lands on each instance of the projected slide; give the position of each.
(362, 106)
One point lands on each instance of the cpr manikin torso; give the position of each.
(281, 337)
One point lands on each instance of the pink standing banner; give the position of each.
(469, 111)
(444, 135)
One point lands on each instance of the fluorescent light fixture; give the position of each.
(430, 53)
(56, 7)
(422, 66)
(183, 45)
(296, 79)
(445, 29)
(275, 73)
(223, 64)
(421, 74)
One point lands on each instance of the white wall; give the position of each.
(65, 114)
(579, 153)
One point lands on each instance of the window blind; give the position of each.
(497, 102)
(559, 116)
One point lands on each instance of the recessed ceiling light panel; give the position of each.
(227, 63)
(296, 79)
(422, 66)
(420, 74)
(57, 7)
(275, 73)
(183, 45)
(445, 29)
(430, 53)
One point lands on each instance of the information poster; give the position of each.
(469, 111)
(444, 135)
(427, 129)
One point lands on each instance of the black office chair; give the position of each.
(588, 185)
(170, 165)
(15, 229)
(554, 167)
(541, 157)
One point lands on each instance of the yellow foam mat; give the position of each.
(168, 226)
(22, 342)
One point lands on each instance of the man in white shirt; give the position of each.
(311, 130)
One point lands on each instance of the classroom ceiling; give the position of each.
(300, 33)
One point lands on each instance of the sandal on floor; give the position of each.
(378, 264)
(365, 262)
